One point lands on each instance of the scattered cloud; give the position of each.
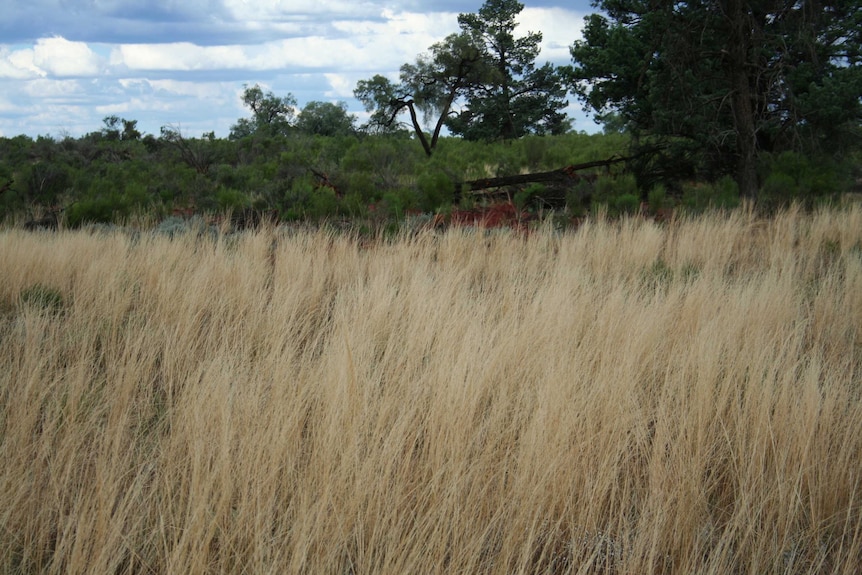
(67, 63)
(59, 57)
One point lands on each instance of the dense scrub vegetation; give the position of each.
(111, 176)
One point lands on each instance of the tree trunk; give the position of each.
(418, 129)
(743, 110)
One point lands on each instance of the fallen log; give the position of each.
(562, 175)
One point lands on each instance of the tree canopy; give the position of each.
(735, 79)
(510, 96)
(326, 119)
(480, 83)
(271, 115)
(430, 86)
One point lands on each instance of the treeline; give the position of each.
(108, 177)
(111, 175)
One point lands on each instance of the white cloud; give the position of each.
(341, 85)
(54, 90)
(60, 57)
(269, 10)
(18, 64)
(180, 56)
(560, 28)
(136, 104)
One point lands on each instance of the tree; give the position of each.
(732, 79)
(510, 97)
(430, 85)
(271, 115)
(112, 131)
(199, 154)
(326, 119)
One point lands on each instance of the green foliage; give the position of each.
(525, 198)
(721, 194)
(657, 198)
(271, 115)
(691, 70)
(102, 179)
(627, 204)
(609, 188)
(792, 176)
(228, 199)
(396, 203)
(510, 97)
(105, 205)
(326, 119)
(429, 86)
(506, 96)
(435, 191)
(322, 204)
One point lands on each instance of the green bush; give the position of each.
(657, 198)
(619, 193)
(228, 199)
(700, 196)
(104, 210)
(627, 204)
(395, 203)
(527, 197)
(322, 204)
(790, 176)
(435, 191)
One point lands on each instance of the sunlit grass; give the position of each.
(626, 398)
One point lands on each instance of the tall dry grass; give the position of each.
(628, 398)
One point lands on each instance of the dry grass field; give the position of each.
(628, 398)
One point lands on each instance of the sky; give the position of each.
(67, 64)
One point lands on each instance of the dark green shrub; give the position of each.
(528, 197)
(700, 196)
(362, 185)
(233, 200)
(619, 193)
(535, 148)
(322, 204)
(726, 194)
(102, 210)
(396, 202)
(627, 204)
(657, 198)
(435, 191)
(792, 176)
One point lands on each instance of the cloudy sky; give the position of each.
(66, 64)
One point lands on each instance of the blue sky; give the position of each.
(66, 64)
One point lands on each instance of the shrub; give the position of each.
(231, 199)
(657, 198)
(435, 191)
(700, 196)
(792, 176)
(619, 193)
(526, 197)
(627, 204)
(397, 202)
(322, 204)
